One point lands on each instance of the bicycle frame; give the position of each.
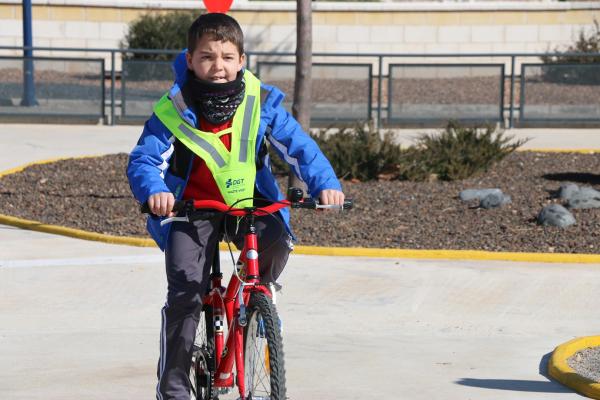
(231, 305)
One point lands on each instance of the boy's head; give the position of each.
(215, 48)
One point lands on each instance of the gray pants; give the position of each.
(188, 258)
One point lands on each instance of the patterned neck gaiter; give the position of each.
(217, 102)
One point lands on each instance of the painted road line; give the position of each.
(84, 261)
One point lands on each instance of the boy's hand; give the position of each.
(331, 196)
(162, 204)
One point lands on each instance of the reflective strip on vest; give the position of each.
(246, 128)
(204, 144)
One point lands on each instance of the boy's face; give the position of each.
(214, 60)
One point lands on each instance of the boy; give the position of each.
(209, 129)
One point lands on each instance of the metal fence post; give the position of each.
(28, 99)
(112, 87)
(380, 92)
(511, 122)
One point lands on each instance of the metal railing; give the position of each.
(383, 83)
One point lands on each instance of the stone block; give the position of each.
(11, 27)
(280, 33)
(48, 29)
(324, 33)
(7, 11)
(113, 30)
(85, 30)
(521, 33)
(487, 34)
(454, 34)
(387, 34)
(352, 34)
(420, 34)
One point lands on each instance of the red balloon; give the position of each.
(217, 6)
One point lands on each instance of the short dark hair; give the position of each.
(221, 27)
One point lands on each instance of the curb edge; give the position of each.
(559, 369)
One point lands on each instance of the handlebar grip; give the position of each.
(178, 206)
(145, 208)
(348, 204)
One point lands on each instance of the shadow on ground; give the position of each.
(516, 385)
(576, 177)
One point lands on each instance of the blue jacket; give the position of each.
(151, 167)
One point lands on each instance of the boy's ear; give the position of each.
(242, 61)
(188, 59)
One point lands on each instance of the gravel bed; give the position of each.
(456, 90)
(587, 363)
(93, 194)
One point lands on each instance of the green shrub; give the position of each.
(578, 75)
(456, 153)
(354, 153)
(158, 31)
(358, 153)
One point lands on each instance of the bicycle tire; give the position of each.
(263, 351)
(203, 358)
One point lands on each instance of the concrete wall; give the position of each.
(340, 27)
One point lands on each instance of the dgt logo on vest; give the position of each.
(233, 182)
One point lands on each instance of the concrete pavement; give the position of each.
(80, 319)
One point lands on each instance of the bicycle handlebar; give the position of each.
(212, 205)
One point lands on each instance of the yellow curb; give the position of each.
(75, 233)
(560, 370)
(308, 250)
(323, 251)
(47, 161)
(581, 151)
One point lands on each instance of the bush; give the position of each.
(577, 75)
(363, 153)
(158, 31)
(358, 153)
(355, 153)
(456, 153)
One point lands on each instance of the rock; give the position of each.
(555, 215)
(472, 194)
(494, 200)
(567, 190)
(585, 197)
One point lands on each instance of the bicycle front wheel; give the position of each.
(264, 371)
(202, 367)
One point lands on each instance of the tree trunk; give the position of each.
(303, 81)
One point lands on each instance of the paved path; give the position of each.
(80, 319)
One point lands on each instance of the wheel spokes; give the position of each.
(258, 368)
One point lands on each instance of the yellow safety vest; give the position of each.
(234, 171)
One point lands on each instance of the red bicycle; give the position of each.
(239, 324)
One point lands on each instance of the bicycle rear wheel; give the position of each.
(264, 371)
(203, 360)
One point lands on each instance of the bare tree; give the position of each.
(303, 81)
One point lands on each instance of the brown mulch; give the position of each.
(93, 194)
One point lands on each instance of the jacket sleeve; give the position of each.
(149, 159)
(296, 147)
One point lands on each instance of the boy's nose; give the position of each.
(218, 63)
